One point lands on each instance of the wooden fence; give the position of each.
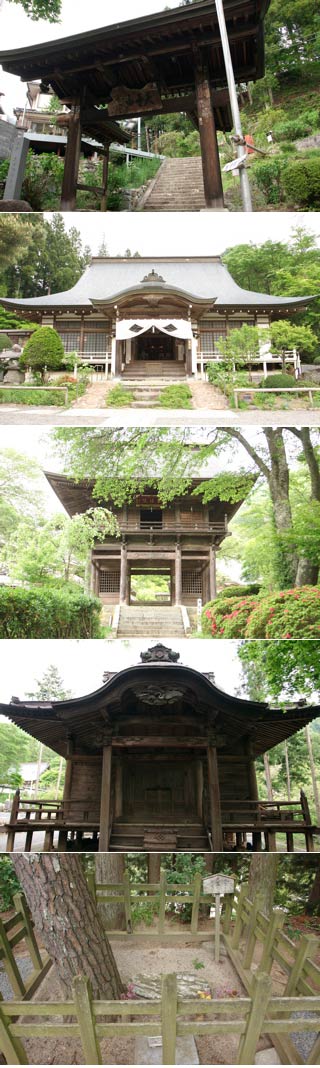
(19, 928)
(255, 935)
(171, 1017)
(248, 390)
(163, 895)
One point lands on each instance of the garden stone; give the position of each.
(149, 1051)
(267, 1056)
(13, 377)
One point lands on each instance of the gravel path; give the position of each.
(206, 396)
(12, 415)
(25, 968)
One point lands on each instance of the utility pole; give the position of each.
(244, 180)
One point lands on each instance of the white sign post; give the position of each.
(218, 886)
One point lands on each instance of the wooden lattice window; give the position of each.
(70, 340)
(192, 583)
(210, 336)
(109, 581)
(96, 343)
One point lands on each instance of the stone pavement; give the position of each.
(206, 396)
(14, 415)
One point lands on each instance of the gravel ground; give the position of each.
(11, 415)
(304, 1040)
(25, 968)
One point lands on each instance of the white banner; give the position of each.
(131, 328)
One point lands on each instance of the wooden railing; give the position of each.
(162, 895)
(269, 818)
(30, 815)
(172, 1017)
(260, 937)
(19, 928)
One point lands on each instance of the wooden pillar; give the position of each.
(199, 788)
(212, 573)
(118, 804)
(208, 139)
(178, 573)
(214, 799)
(71, 163)
(105, 807)
(123, 573)
(105, 175)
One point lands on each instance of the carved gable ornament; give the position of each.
(159, 654)
(152, 695)
(153, 276)
(134, 101)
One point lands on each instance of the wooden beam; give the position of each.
(105, 175)
(178, 573)
(208, 139)
(169, 106)
(161, 741)
(105, 808)
(214, 799)
(71, 162)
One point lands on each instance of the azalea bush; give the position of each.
(48, 613)
(227, 618)
(291, 613)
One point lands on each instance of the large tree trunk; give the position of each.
(268, 776)
(154, 867)
(279, 491)
(313, 773)
(307, 573)
(313, 903)
(68, 921)
(110, 869)
(262, 879)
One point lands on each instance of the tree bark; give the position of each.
(308, 572)
(315, 786)
(68, 921)
(268, 776)
(262, 879)
(110, 869)
(154, 867)
(279, 491)
(313, 903)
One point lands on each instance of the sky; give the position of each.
(17, 30)
(195, 234)
(81, 664)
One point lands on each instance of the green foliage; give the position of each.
(291, 129)
(288, 668)
(9, 883)
(31, 397)
(47, 613)
(59, 548)
(278, 380)
(41, 9)
(286, 335)
(268, 176)
(301, 183)
(177, 144)
(48, 258)
(14, 749)
(291, 613)
(43, 349)
(177, 396)
(119, 397)
(238, 591)
(5, 342)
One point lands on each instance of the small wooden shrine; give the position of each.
(167, 62)
(159, 759)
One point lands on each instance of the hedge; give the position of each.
(291, 613)
(238, 591)
(46, 613)
(288, 614)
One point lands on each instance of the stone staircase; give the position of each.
(145, 621)
(178, 186)
(128, 836)
(147, 379)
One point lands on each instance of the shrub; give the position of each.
(278, 381)
(251, 589)
(31, 397)
(178, 396)
(9, 883)
(293, 128)
(227, 618)
(43, 349)
(291, 613)
(268, 177)
(301, 182)
(5, 342)
(119, 397)
(48, 613)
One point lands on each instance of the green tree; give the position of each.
(52, 260)
(41, 9)
(49, 688)
(58, 548)
(20, 493)
(15, 236)
(44, 349)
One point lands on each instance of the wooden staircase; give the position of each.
(178, 186)
(129, 835)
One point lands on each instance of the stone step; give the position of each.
(178, 186)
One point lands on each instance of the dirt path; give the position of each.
(206, 396)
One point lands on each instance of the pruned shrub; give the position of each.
(48, 613)
(278, 381)
(301, 182)
(252, 589)
(5, 342)
(43, 349)
(291, 613)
